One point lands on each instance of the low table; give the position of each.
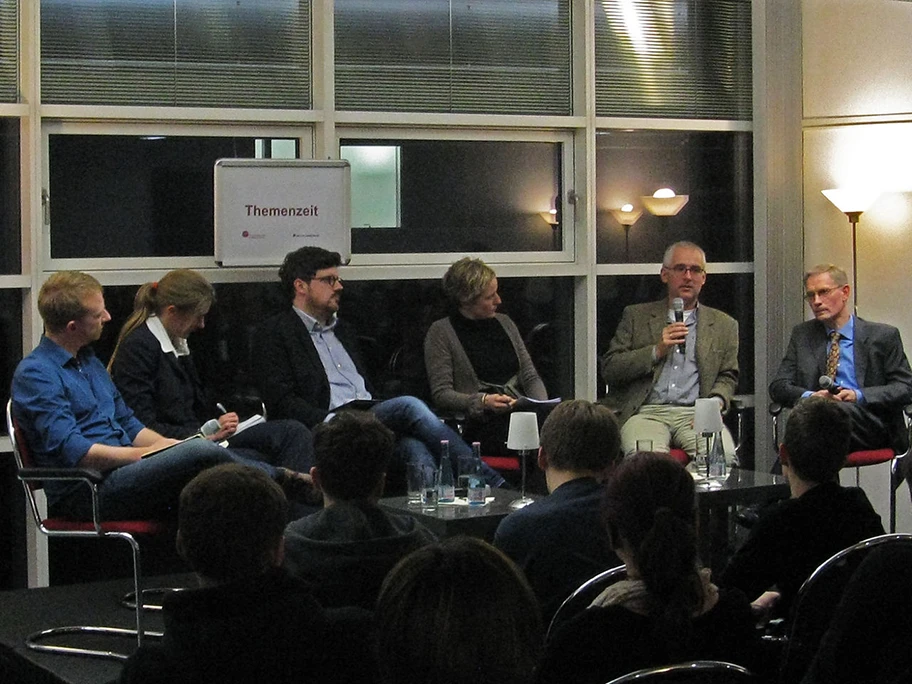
(448, 520)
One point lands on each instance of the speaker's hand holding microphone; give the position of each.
(828, 385)
(674, 335)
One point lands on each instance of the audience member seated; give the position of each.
(477, 364)
(152, 368)
(308, 364)
(72, 416)
(559, 541)
(346, 550)
(657, 367)
(455, 612)
(249, 621)
(793, 537)
(868, 639)
(667, 610)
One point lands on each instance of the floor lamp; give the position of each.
(853, 203)
(626, 216)
(664, 202)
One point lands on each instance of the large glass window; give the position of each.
(714, 169)
(485, 56)
(139, 196)
(673, 58)
(195, 53)
(10, 230)
(467, 196)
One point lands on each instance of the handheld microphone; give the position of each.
(827, 383)
(209, 428)
(677, 304)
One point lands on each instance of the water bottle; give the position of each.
(446, 483)
(476, 484)
(716, 458)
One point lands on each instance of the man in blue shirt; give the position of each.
(866, 363)
(72, 416)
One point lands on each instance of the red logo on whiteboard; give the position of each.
(245, 234)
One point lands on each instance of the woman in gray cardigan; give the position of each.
(477, 364)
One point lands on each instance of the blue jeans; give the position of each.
(419, 432)
(151, 487)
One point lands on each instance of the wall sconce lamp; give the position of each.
(550, 217)
(664, 202)
(852, 202)
(626, 216)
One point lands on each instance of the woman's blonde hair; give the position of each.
(185, 290)
(466, 280)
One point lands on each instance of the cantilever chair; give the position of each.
(693, 672)
(860, 459)
(583, 595)
(127, 530)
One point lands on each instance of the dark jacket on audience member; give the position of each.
(600, 644)
(346, 550)
(559, 541)
(263, 629)
(794, 536)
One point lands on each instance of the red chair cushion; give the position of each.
(139, 527)
(502, 462)
(872, 457)
(680, 456)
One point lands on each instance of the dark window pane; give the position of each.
(132, 196)
(486, 56)
(10, 224)
(714, 168)
(673, 58)
(468, 196)
(10, 342)
(541, 307)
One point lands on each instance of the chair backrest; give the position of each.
(23, 460)
(693, 672)
(583, 595)
(817, 599)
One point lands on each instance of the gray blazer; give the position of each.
(628, 366)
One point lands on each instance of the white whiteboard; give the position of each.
(265, 208)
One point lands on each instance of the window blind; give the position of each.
(481, 56)
(673, 58)
(9, 51)
(207, 53)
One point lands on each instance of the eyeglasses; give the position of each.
(822, 292)
(330, 280)
(681, 269)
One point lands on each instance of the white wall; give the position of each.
(857, 132)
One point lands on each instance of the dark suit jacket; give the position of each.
(291, 378)
(164, 391)
(881, 368)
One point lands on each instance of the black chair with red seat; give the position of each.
(128, 530)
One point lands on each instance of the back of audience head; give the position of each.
(457, 611)
(303, 264)
(817, 438)
(581, 436)
(649, 512)
(351, 455)
(231, 523)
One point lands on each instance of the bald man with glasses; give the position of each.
(656, 367)
(864, 362)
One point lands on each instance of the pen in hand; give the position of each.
(221, 407)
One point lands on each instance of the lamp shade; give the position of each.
(851, 200)
(707, 416)
(523, 434)
(626, 217)
(664, 202)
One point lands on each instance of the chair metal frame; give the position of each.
(694, 671)
(860, 459)
(127, 530)
(587, 590)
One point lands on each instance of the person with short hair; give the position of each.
(865, 362)
(72, 416)
(152, 368)
(248, 620)
(345, 550)
(454, 612)
(667, 610)
(656, 368)
(559, 541)
(477, 363)
(793, 537)
(308, 364)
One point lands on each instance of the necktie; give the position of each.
(833, 355)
